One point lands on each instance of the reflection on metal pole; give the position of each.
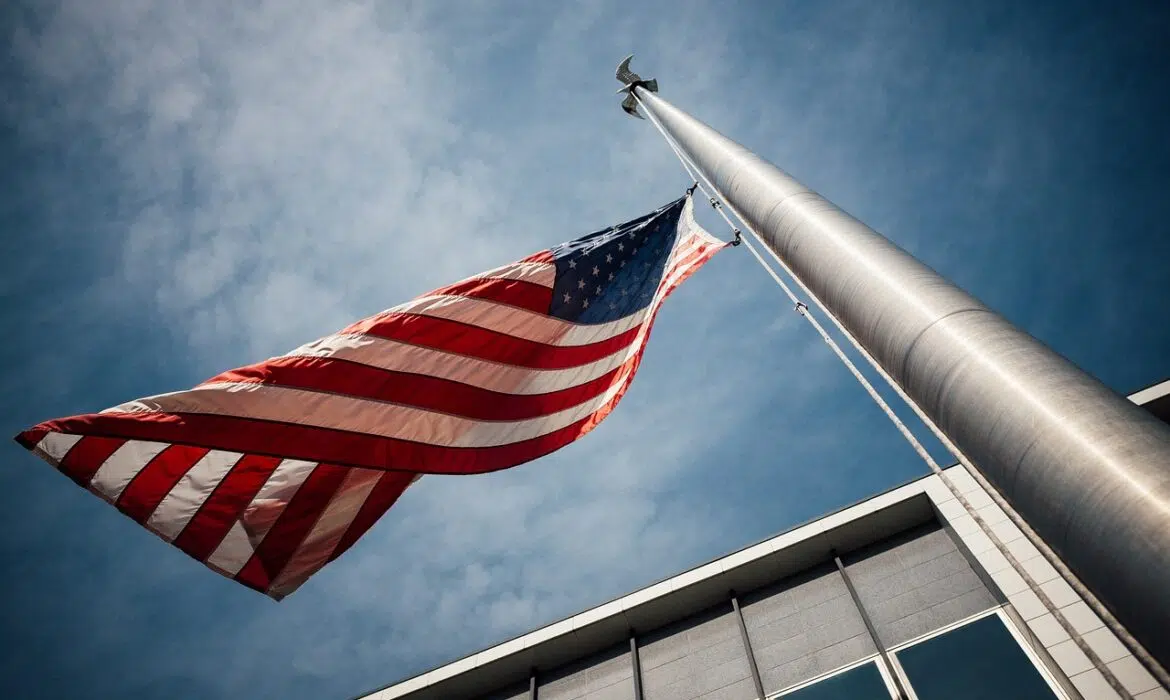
(1088, 470)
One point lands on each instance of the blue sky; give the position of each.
(192, 186)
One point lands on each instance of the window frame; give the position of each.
(1021, 640)
(874, 659)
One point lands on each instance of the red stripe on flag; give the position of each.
(518, 293)
(254, 576)
(87, 456)
(296, 520)
(385, 493)
(432, 393)
(29, 439)
(390, 486)
(475, 341)
(156, 480)
(225, 505)
(314, 444)
(585, 426)
(544, 256)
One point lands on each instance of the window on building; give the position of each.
(862, 682)
(980, 660)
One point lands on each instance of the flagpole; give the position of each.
(1086, 469)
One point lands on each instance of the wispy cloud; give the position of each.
(210, 183)
(282, 169)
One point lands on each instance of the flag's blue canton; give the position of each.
(613, 273)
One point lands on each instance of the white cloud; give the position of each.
(287, 167)
(267, 171)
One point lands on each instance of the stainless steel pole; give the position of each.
(1086, 468)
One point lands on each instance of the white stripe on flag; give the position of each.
(270, 402)
(192, 489)
(396, 356)
(237, 547)
(123, 465)
(544, 274)
(57, 445)
(327, 532)
(233, 551)
(502, 318)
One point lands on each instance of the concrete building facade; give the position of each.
(905, 594)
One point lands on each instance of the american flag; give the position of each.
(268, 472)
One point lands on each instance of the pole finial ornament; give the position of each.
(629, 81)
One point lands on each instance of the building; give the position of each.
(901, 594)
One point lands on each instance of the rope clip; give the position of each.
(801, 308)
(738, 237)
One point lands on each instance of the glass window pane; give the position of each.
(978, 661)
(861, 683)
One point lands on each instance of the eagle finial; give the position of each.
(630, 80)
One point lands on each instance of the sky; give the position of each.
(191, 186)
